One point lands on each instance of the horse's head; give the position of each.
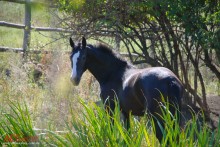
(78, 59)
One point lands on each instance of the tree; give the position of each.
(177, 34)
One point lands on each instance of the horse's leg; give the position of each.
(158, 123)
(175, 108)
(175, 95)
(126, 120)
(110, 107)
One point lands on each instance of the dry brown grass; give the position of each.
(51, 97)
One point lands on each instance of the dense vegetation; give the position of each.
(178, 34)
(48, 110)
(94, 128)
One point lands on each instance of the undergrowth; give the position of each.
(95, 127)
(55, 114)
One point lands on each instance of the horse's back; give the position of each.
(143, 88)
(159, 81)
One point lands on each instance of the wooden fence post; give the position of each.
(27, 29)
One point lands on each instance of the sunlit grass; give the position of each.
(16, 15)
(62, 115)
(94, 127)
(40, 17)
(16, 125)
(50, 41)
(11, 37)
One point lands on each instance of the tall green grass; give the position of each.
(16, 127)
(29, 112)
(94, 127)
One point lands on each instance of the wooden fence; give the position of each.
(27, 27)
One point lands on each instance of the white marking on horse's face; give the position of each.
(74, 68)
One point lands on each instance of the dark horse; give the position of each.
(137, 90)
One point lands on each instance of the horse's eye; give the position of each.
(84, 57)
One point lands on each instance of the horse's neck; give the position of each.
(104, 69)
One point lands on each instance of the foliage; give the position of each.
(47, 106)
(181, 35)
(26, 108)
(16, 127)
(95, 128)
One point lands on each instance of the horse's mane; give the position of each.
(106, 49)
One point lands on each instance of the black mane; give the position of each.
(107, 50)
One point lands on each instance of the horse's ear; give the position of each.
(83, 41)
(72, 43)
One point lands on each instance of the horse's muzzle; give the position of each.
(75, 81)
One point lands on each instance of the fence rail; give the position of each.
(46, 29)
(20, 50)
(27, 27)
(32, 2)
(5, 49)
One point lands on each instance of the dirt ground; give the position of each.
(214, 105)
